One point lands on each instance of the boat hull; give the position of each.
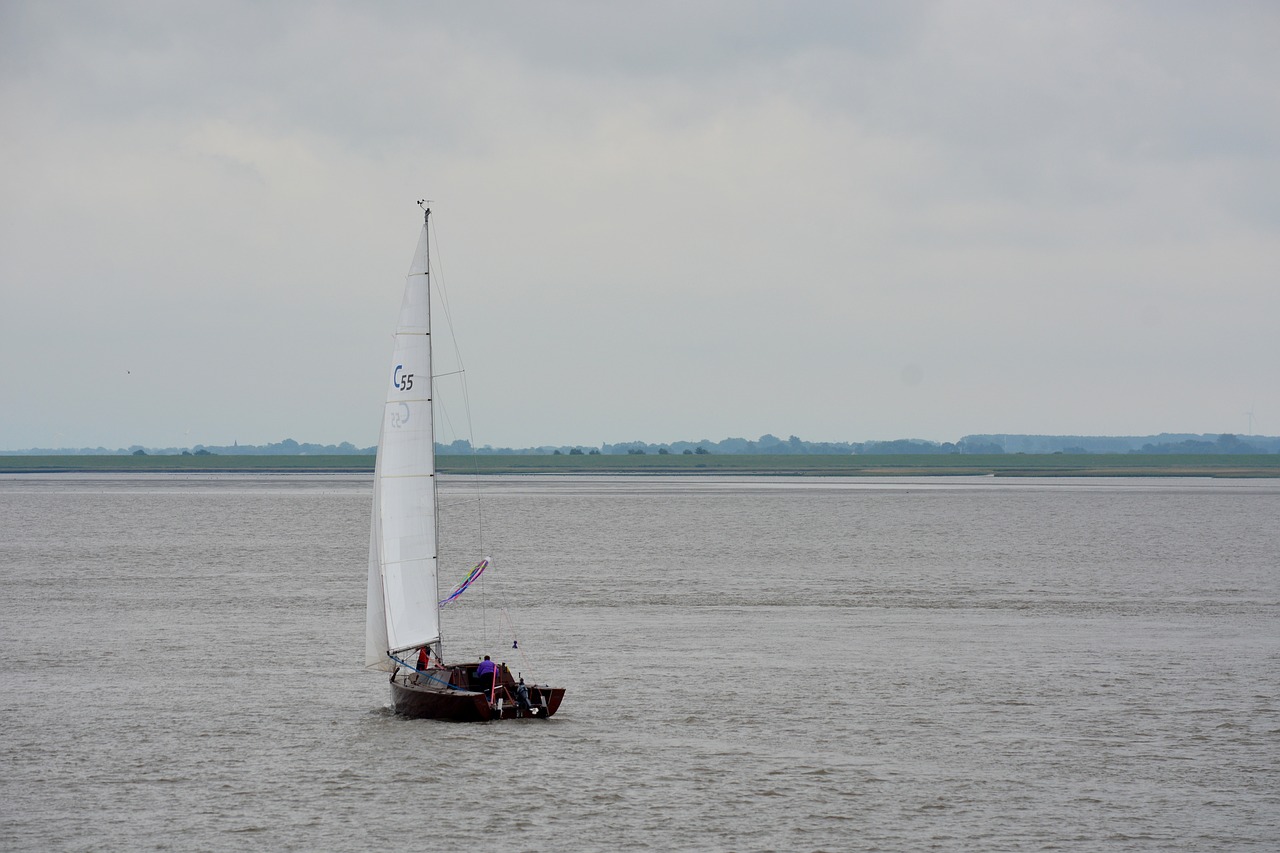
(438, 704)
(434, 699)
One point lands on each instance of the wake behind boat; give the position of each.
(402, 624)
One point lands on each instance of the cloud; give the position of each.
(657, 221)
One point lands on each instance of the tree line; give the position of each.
(765, 445)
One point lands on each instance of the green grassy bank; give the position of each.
(1010, 465)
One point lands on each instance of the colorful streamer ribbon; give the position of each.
(476, 571)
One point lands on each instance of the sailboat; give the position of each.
(402, 623)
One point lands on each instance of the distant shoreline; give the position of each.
(868, 465)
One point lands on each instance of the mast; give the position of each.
(431, 422)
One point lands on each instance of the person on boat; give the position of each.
(484, 673)
(420, 666)
(522, 699)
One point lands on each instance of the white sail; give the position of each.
(375, 630)
(402, 605)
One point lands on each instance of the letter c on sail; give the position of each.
(400, 418)
(395, 375)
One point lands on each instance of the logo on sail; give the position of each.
(403, 382)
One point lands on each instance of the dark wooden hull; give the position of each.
(432, 703)
(437, 699)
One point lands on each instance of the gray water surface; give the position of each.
(752, 664)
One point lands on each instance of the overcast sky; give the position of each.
(656, 221)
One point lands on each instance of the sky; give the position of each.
(662, 221)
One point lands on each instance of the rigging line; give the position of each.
(475, 461)
(466, 391)
(429, 676)
(443, 411)
(431, 421)
(454, 504)
(443, 296)
(511, 625)
(444, 300)
(442, 290)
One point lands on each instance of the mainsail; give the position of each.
(402, 610)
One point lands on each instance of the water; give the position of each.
(752, 664)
